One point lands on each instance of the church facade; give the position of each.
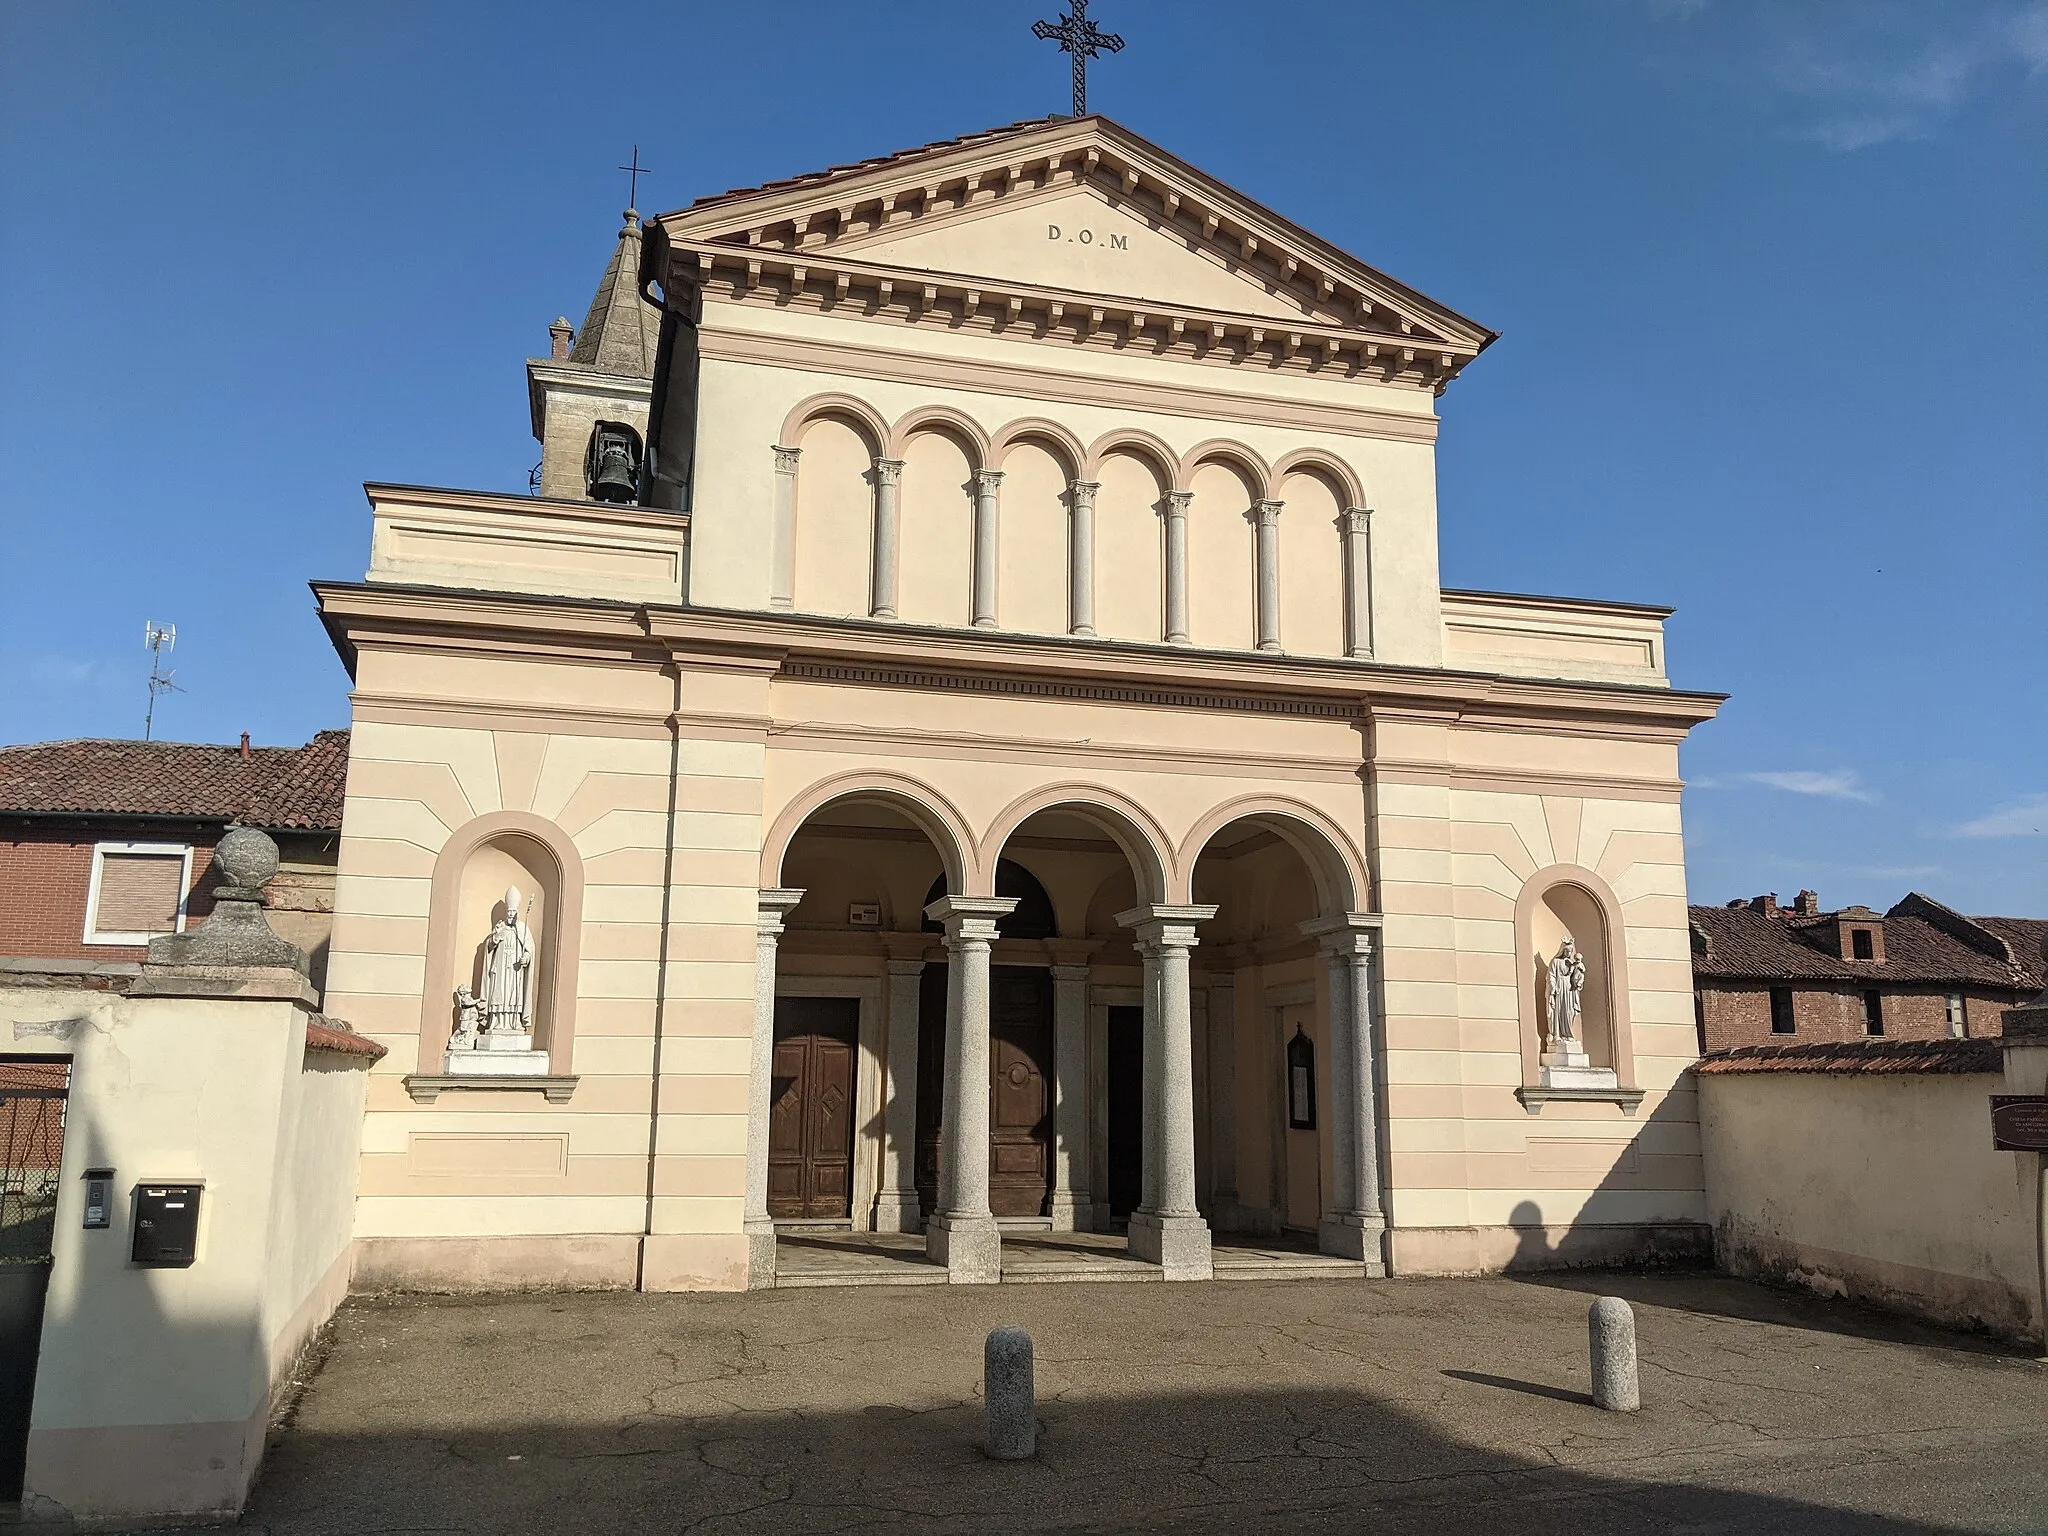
(978, 743)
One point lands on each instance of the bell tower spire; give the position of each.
(589, 398)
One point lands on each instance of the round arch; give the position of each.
(863, 417)
(1126, 823)
(940, 418)
(928, 810)
(1614, 954)
(1316, 461)
(1141, 444)
(1223, 450)
(561, 941)
(1342, 882)
(1037, 428)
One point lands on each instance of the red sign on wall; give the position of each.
(2019, 1122)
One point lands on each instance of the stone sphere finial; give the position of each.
(246, 859)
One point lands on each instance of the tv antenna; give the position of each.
(161, 639)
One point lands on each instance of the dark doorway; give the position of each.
(810, 1116)
(1020, 1088)
(1125, 1090)
(32, 1092)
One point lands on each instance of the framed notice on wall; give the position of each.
(1301, 1082)
(2019, 1122)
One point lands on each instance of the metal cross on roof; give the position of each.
(633, 180)
(1077, 35)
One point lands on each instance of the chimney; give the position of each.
(559, 337)
(1766, 903)
(1807, 904)
(245, 746)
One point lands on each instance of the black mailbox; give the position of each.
(166, 1225)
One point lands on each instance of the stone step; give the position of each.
(906, 1274)
(1083, 1272)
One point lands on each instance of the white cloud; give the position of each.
(2026, 817)
(1830, 783)
(1883, 77)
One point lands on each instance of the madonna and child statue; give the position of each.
(493, 1027)
(1565, 1062)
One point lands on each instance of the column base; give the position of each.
(899, 1210)
(1072, 1211)
(1355, 1237)
(760, 1256)
(1179, 1245)
(971, 1248)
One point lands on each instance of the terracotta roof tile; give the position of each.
(330, 1035)
(283, 787)
(1862, 1058)
(1923, 943)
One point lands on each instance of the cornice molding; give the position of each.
(1099, 322)
(1032, 383)
(872, 653)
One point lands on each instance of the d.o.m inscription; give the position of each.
(1087, 237)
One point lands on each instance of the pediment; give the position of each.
(1158, 232)
(1081, 241)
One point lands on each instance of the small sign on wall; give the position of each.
(864, 914)
(2019, 1122)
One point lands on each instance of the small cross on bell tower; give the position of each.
(1077, 35)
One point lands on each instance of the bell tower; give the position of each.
(589, 396)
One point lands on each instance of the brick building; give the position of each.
(105, 843)
(1765, 974)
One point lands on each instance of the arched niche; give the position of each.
(476, 865)
(1565, 899)
(1031, 918)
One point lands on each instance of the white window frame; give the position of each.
(1957, 1015)
(92, 894)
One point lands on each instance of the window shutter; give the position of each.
(139, 893)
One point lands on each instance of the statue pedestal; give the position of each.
(504, 1056)
(1566, 1065)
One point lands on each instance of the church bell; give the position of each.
(611, 464)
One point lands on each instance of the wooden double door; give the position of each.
(1020, 1088)
(811, 1108)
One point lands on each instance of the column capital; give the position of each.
(785, 460)
(1357, 519)
(1163, 926)
(1266, 511)
(1177, 503)
(987, 479)
(970, 918)
(1072, 951)
(1084, 490)
(1348, 933)
(775, 904)
(904, 948)
(888, 471)
(1070, 972)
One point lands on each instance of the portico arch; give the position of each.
(1122, 820)
(1339, 872)
(931, 812)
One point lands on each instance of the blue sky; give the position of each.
(1770, 278)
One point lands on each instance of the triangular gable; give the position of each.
(985, 205)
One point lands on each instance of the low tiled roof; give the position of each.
(1924, 943)
(811, 178)
(282, 787)
(328, 1035)
(1862, 1058)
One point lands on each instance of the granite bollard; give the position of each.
(1010, 1393)
(1611, 1327)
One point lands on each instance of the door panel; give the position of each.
(1020, 1091)
(810, 1115)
